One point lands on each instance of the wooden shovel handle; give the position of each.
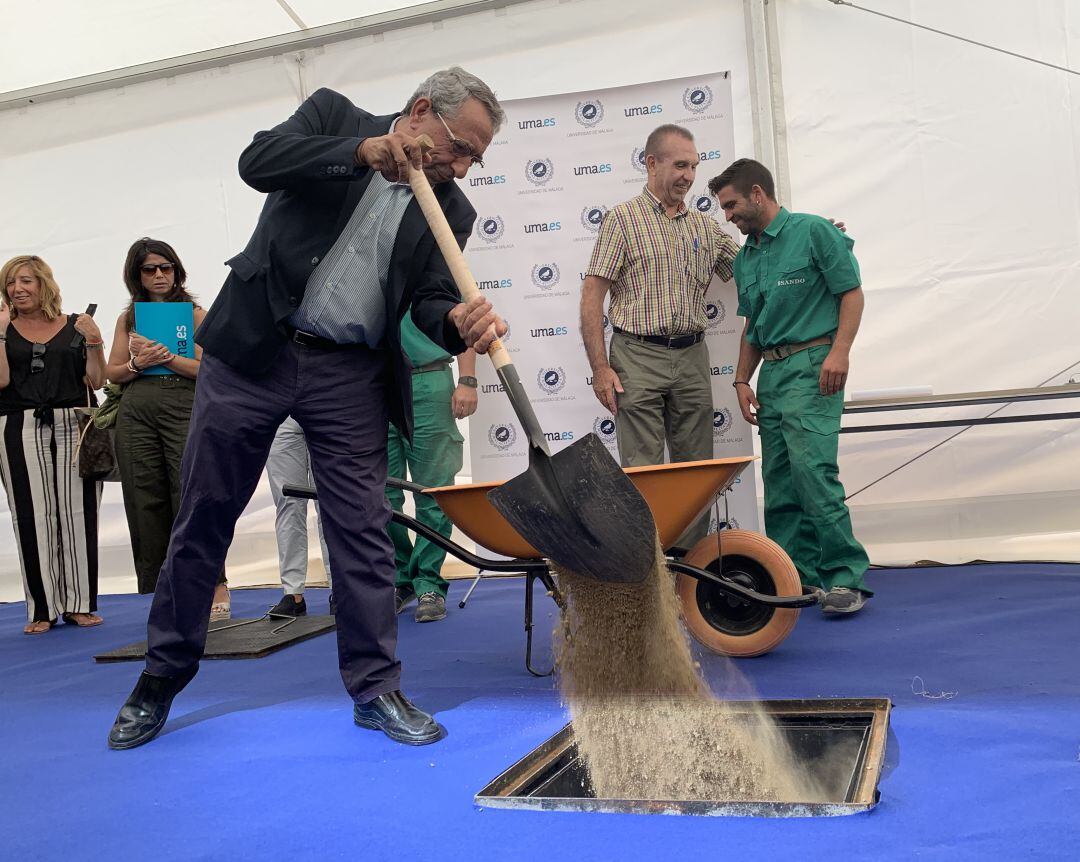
(436, 220)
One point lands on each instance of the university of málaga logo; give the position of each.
(539, 171)
(604, 428)
(551, 380)
(697, 99)
(592, 216)
(704, 203)
(721, 421)
(589, 113)
(490, 228)
(637, 159)
(502, 436)
(715, 313)
(607, 326)
(716, 526)
(545, 275)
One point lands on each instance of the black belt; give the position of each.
(316, 342)
(437, 365)
(675, 342)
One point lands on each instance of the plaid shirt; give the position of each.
(659, 266)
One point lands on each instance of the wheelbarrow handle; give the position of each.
(465, 282)
(309, 493)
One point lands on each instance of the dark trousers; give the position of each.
(151, 430)
(339, 399)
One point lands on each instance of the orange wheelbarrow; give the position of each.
(740, 592)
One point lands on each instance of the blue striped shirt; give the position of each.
(345, 298)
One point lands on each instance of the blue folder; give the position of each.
(168, 323)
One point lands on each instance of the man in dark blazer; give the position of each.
(307, 325)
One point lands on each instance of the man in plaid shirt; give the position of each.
(656, 257)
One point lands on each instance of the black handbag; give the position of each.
(95, 453)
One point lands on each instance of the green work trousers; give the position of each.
(667, 399)
(432, 459)
(805, 512)
(151, 430)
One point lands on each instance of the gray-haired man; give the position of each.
(307, 325)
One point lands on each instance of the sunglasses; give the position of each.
(37, 363)
(461, 149)
(151, 268)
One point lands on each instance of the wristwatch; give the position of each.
(466, 380)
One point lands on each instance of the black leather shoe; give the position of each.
(403, 597)
(290, 606)
(400, 720)
(144, 712)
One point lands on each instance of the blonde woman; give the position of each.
(46, 370)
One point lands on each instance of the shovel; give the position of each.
(577, 507)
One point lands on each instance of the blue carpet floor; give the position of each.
(260, 759)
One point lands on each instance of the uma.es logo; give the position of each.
(542, 123)
(643, 110)
(545, 275)
(551, 380)
(495, 283)
(494, 180)
(502, 435)
(589, 113)
(697, 99)
(539, 171)
(490, 228)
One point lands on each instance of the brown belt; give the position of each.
(772, 354)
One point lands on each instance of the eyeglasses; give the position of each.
(37, 363)
(461, 149)
(151, 268)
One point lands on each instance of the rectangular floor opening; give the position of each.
(839, 742)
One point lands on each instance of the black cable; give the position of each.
(955, 36)
(1065, 370)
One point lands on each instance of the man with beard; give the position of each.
(657, 257)
(800, 292)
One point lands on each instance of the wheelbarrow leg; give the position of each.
(553, 591)
(476, 582)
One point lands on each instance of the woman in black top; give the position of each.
(48, 365)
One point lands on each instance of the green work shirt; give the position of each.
(790, 279)
(418, 347)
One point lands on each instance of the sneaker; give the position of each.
(290, 606)
(403, 597)
(430, 608)
(843, 600)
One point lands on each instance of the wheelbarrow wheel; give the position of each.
(730, 626)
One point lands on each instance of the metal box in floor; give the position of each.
(839, 742)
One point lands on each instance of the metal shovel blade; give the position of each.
(580, 509)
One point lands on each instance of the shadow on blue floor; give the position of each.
(260, 759)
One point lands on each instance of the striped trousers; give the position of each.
(54, 512)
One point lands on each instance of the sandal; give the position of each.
(83, 621)
(221, 610)
(32, 628)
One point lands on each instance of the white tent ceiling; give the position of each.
(55, 41)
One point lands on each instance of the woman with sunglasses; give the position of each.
(48, 365)
(152, 421)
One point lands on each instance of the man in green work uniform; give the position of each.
(432, 459)
(800, 292)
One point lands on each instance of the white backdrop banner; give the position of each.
(556, 168)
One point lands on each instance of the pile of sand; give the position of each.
(646, 724)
